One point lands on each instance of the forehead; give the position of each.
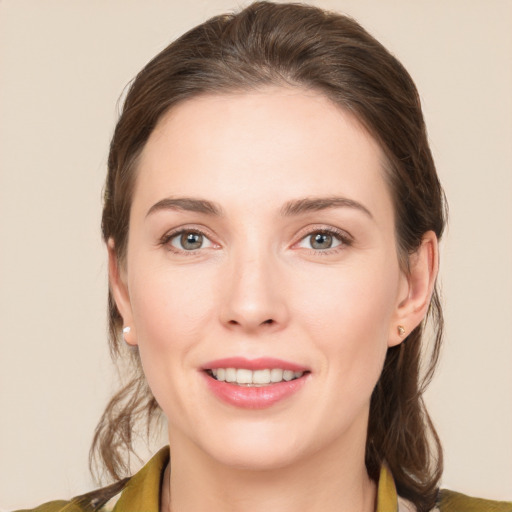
(275, 142)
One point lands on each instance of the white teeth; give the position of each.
(230, 375)
(287, 375)
(261, 377)
(276, 375)
(245, 377)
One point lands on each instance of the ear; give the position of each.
(119, 290)
(417, 288)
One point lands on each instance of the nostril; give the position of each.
(233, 322)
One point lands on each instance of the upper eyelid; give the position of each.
(302, 233)
(187, 228)
(322, 228)
(166, 241)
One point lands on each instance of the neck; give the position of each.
(335, 481)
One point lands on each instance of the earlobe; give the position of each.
(420, 282)
(119, 290)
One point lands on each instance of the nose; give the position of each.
(253, 296)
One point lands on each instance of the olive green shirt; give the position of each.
(141, 493)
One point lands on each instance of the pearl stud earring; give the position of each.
(126, 330)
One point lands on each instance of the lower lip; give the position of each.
(257, 397)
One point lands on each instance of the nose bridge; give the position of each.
(253, 293)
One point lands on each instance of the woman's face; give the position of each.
(262, 248)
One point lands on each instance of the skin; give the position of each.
(258, 288)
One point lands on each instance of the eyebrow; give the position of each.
(314, 204)
(187, 204)
(291, 208)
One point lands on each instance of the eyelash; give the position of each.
(344, 239)
(168, 237)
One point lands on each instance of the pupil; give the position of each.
(191, 241)
(321, 241)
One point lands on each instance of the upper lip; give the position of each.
(260, 363)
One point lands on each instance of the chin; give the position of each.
(257, 457)
(252, 447)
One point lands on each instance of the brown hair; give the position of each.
(301, 46)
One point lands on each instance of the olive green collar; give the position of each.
(387, 497)
(142, 492)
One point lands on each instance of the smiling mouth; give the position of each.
(256, 378)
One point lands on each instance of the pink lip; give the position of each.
(253, 397)
(261, 363)
(259, 397)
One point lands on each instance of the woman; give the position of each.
(272, 217)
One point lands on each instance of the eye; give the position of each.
(322, 240)
(188, 240)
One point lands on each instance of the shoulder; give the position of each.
(451, 501)
(447, 501)
(100, 500)
(139, 492)
(55, 506)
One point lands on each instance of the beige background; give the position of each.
(63, 65)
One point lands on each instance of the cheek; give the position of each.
(349, 318)
(353, 300)
(169, 308)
